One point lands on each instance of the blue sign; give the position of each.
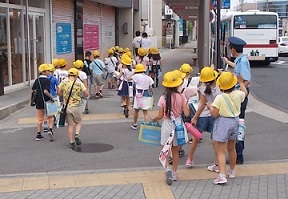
(63, 38)
(225, 4)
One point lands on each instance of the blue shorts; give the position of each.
(205, 124)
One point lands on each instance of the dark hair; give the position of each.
(137, 33)
(129, 67)
(238, 49)
(144, 34)
(229, 90)
(168, 96)
(88, 54)
(208, 89)
(156, 56)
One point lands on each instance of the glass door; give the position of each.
(35, 35)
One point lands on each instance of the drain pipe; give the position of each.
(28, 45)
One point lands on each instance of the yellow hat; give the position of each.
(126, 60)
(73, 72)
(51, 67)
(62, 62)
(129, 53)
(207, 74)
(179, 74)
(154, 51)
(142, 52)
(140, 68)
(78, 64)
(124, 55)
(186, 68)
(121, 50)
(55, 62)
(96, 53)
(117, 48)
(126, 50)
(171, 80)
(43, 67)
(226, 80)
(113, 48)
(110, 51)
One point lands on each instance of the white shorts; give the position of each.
(145, 103)
(166, 129)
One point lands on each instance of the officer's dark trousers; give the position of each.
(240, 144)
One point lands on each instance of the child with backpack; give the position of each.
(171, 105)
(111, 63)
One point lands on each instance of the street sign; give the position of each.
(63, 38)
(225, 4)
(168, 11)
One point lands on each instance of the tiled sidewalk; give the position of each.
(268, 180)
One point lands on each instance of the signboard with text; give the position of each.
(225, 4)
(91, 37)
(63, 38)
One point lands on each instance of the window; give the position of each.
(255, 22)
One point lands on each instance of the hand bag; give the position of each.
(150, 133)
(33, 98)
(61, 121)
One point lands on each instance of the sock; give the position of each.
(221, 175)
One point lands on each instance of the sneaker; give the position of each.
(220, 180)
(39, 137)
(51, 135)
(45, 129)
(213, 168)
(72, 145)
(189, 163)
(97, 95)
(231, 174)
(86, 111)
(174, 176)
(126, 112)
(168, 175)
(181, 153)
(190, 141)
(100, 94)
(134, 126)
(77, 139)
(170, 160)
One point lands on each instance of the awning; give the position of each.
(186, 9)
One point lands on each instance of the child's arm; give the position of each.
(201, 106)
(159, 116)
(186, 110)
(213, 110)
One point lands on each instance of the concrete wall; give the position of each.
(156, 22)
(126, 16)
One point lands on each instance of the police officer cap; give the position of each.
(235, 41)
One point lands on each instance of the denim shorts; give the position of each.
(205, 124)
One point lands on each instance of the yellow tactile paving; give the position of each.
(153, 181)
(92, 117)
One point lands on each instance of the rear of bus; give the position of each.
(260, 31)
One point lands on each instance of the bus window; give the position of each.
(255, 22)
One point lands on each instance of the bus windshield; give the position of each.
(255, 22)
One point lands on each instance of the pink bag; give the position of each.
(193, 130)
(139, 99)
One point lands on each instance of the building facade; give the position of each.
(279, 6)
(36, 31)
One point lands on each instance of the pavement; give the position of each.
(120, 167)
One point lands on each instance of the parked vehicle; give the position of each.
(282, 45)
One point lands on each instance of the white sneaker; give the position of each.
(174, 176)
(231, 174)
(213, 168)
(220, 180)
(189, 163)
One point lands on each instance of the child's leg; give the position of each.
(146, 116)
(193, 147)
(213, 142)
(175, 154)
(232, 153)
(221, 148)
(136, 111)
(40, 119)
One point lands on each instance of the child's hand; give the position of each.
(240, 79)
(212, 66)
(209, 106)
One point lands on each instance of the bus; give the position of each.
(258, 29)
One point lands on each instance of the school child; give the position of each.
(226, 110)
(171, 105)
(53, 90)
(187, 69)
(111, 63)
(142, 58)
(202, 118)
(143, 88)
(156, 65)
(86, 68)
(79, 64)
(62, 73)
(126, 72)
(42, 87)
(98, 68)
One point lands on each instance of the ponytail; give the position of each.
(168, 97)
(129, 67)
(208, 90)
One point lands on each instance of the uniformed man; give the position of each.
(241, 66)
